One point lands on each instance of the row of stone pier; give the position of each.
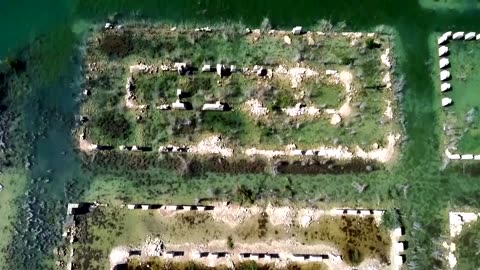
(250, 256)
(169, 207)
(445, 77)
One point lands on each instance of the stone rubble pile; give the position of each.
(300, 109)
(255, 107)
(211, 145)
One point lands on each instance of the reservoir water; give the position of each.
(51, 105)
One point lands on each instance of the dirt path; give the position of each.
(346, 78)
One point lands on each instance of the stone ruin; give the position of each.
(445, 86)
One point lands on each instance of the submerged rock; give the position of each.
(470, 117)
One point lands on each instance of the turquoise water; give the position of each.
(51, 105)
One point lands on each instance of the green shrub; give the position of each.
(118, 45)
(390, 219)
(371, 44)
(113, 125)
(354, 257)
(230, 243)
(16, 64)
(284, 99)
(265, 26)
(226, 123)
(244, 194)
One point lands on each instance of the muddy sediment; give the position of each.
(325, 166)
(157, 264)
(187, 165)
(183, 164)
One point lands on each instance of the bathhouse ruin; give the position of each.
(223, 234)
(241, 93)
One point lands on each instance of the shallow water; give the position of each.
(52, 106)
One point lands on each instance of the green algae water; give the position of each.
(51, 32)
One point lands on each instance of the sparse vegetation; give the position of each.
(266, 25)
(391, 219)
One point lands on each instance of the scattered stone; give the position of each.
(262, 72)
(336, 119)
(446, 102)
(331, 72)
(443, 50)
(458, 35)
(444, 75)
(59, 263)
(139, 68)
(445, 87)
(385, 57)
(444, 62)
(442, 40)
(177, 105)
(287, 40)
(362, 106)
(301, 109)
(211, 145)
(298, 30)
(310, 40)
(220, 69)
(164, 107)
(255, 107)
(217, 106)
